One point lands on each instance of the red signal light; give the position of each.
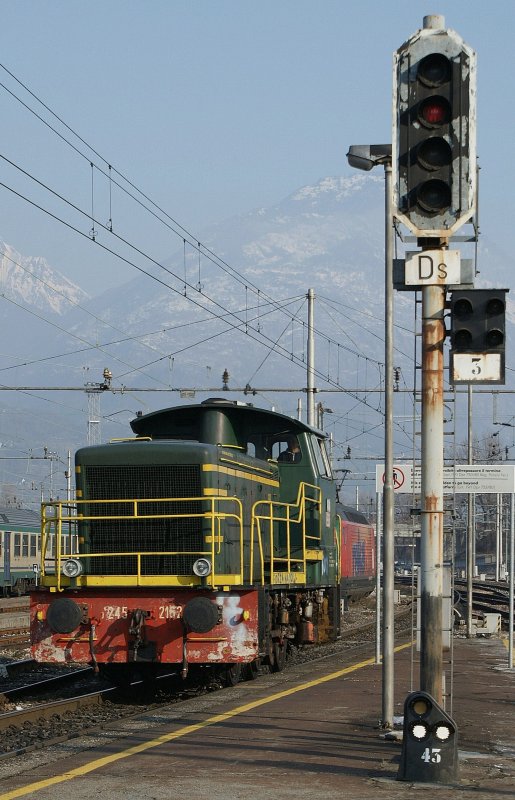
(434, 111)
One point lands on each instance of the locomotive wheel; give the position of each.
(279, 660)
(232, 675)
(120, 675)
(251, 671)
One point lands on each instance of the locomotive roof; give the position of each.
(351, 514)
(170, 419)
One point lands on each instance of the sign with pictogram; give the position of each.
(399, 477)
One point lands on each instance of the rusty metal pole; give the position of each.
(431, 555)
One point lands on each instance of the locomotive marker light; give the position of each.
(430, 742)
(434, 132)
(477, 335)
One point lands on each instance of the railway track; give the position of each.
(15, 636)
(14, 622)
(487, 597)
(46, 711)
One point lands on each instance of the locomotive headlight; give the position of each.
(202, 567)
(72, 568)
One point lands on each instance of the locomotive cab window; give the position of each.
(287, 450)
(321, 457)
(258, 446)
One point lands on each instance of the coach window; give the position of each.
(33, 546)
(17, 545)
(25, 545)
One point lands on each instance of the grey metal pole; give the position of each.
(431, 562)
(378, 576)
(497, 537)
(512, 569)
(388, 496)
(68, 478)
(470, 521)
(311, 359)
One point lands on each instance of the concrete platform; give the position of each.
(310, 733)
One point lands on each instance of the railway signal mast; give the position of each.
(434, 195)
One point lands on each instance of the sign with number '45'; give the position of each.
(432, 755)
(476, 368)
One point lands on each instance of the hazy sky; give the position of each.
(215, 107)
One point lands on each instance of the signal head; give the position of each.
(433, 138)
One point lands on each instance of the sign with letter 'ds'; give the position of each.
(433, 268)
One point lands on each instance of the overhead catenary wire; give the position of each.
(122, 340)
(179, 229)
(261, 338)
(140, 337)
(182, 232)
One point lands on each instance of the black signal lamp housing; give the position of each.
(430, 742)
(478, 335)
(434, 129)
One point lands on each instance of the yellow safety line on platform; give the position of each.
(169, 737)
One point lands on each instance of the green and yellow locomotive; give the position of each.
(210, 538)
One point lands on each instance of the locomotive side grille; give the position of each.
(143, 482)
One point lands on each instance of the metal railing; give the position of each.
(284, 533)
(61, 518)
(275, 539)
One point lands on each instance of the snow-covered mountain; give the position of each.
(328, 237)
(32, 281)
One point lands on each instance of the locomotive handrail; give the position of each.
(291, 514)
(338, 543)
(54, 514)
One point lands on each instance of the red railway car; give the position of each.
(357, 554)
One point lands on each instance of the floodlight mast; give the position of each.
(366, 157)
